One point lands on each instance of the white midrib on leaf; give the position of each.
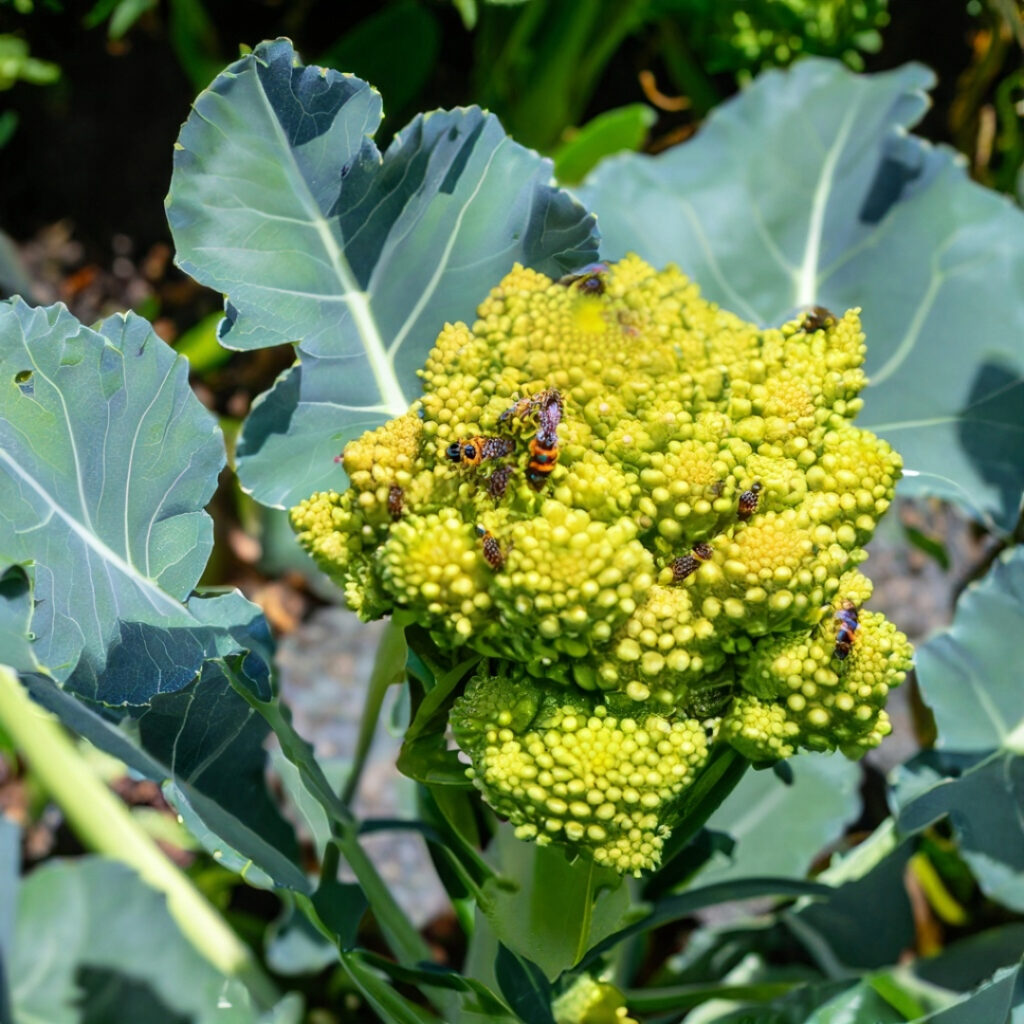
(442, 264)
(807, 281)
(392, 397)
(1014, 741)
(157, 596)
(393, 400)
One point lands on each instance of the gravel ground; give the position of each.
(325, 666)
(915, 592)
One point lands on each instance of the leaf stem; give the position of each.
(401, 935)
(103, 823)
(588, 915)
(388, 669)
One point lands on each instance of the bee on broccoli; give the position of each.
(547, 405)
(396, 501)
(588, 280)
(748, 502)
(847, 624)
(474, 450)
(817, 318)
(497, 482)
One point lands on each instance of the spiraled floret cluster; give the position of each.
(575, 773)
(622, 495)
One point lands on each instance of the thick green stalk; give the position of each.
(103, 823)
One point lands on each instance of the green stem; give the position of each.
(401, 935)
(103, 823)
(331, 860)
(405, 942)
(719, 778)
(588, 916)
(388, 669)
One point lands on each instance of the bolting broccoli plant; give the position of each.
(647, 516)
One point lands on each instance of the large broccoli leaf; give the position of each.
(807, 189)
(15, 615)
(969, 676)
(106, 459)
(93, 942)
(1001, 998)
(983, 801)
(280, 199)
(779, 829)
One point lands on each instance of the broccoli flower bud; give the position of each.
(589, 1001)
(663, 649)
(803, 689)
(648, 514)
(575, 773)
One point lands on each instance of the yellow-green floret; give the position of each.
(575, 773)
(660, 514)
(590, 1001)
(797, 692)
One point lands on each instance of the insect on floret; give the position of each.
(748, 502)
(497, 482)
(818, 318)
(687, 565)
(474, 450)
(493, 554)
(589, 279)
(847, 623)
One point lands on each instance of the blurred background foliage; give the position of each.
(99, 88)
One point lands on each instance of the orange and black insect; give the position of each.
(847, 624)
(817, 318)
(686, 565)
(493, 555)
(748, 502)
(548, 406)
(396, 503)
(474, 450)
(497, 482)
(543, 456)
(589, 279)
(544, 447)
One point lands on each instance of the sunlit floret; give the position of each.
(575, 773)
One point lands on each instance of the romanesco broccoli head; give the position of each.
(646, 515)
